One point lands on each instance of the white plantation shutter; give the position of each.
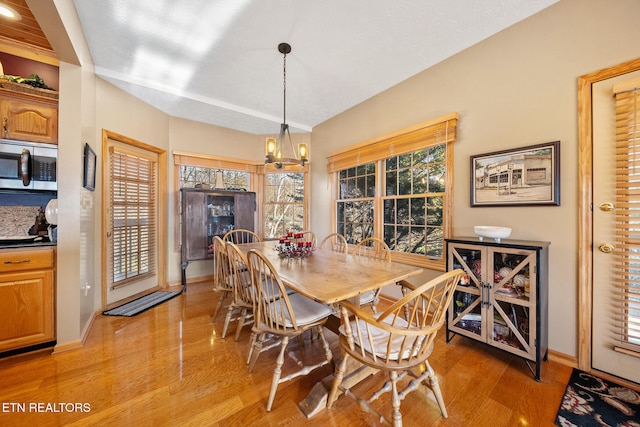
(134, 226)
(626, 297)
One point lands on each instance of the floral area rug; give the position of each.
(592, 401)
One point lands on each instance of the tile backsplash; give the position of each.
(17, 220)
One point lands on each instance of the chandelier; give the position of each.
(275, 157)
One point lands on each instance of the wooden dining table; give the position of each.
(330, 277)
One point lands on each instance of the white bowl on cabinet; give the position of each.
(492, 231)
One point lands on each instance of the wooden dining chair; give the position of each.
(240, 309)
(372, 247)
(241, 236)
(278, 320)
(375, 248)
(397, 341)
(221, 282)
(334, 242)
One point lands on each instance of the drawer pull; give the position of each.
(23, 261)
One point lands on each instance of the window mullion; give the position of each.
(378, 210)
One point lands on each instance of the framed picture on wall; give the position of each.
(89, 181)
(523, 176)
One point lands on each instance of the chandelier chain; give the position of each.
(284, 87)
(275, 149)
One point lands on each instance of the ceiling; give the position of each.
(26, 32)
(217, 62)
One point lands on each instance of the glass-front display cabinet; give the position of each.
(209, 213)
(502, 300)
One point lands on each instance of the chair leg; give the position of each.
(241, 323)
(220, 304)
(337, 380)
(257, 349)
(396, 415)
(252, 343)
(227, 320)
(435, 387)
(277, 372)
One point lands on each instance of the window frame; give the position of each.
(367, 198)
(109, 139)
(305, 203)
(430, 192)
(423, 135)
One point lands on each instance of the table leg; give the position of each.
(317, 398)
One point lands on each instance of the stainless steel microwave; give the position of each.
(28, 166)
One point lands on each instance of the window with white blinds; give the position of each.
(627, 254)
(134, 223)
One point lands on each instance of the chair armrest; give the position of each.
(358, 311)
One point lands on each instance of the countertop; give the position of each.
(28, 244)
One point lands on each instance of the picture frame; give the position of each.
(524, 176)
(89, 180)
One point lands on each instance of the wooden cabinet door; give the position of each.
(212, 213)
(511, 317)
(245, 207)
(194, 231)
(29, 121)
(26, 309)
(467, 315)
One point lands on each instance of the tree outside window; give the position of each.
(283, 203)
(231, 180)
(356, 192)
(413, 201)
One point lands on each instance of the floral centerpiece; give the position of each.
(293, 245)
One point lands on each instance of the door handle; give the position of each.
(25, 166)
(606, 206)
(606, 248)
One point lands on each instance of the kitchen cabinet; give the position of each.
(27, 299)
(209, 213)
(28, 117)
(503, 298)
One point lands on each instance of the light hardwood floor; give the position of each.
(169, 367)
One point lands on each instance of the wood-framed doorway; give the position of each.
(160, 280)
(585, 204)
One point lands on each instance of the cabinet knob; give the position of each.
(606, 248)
